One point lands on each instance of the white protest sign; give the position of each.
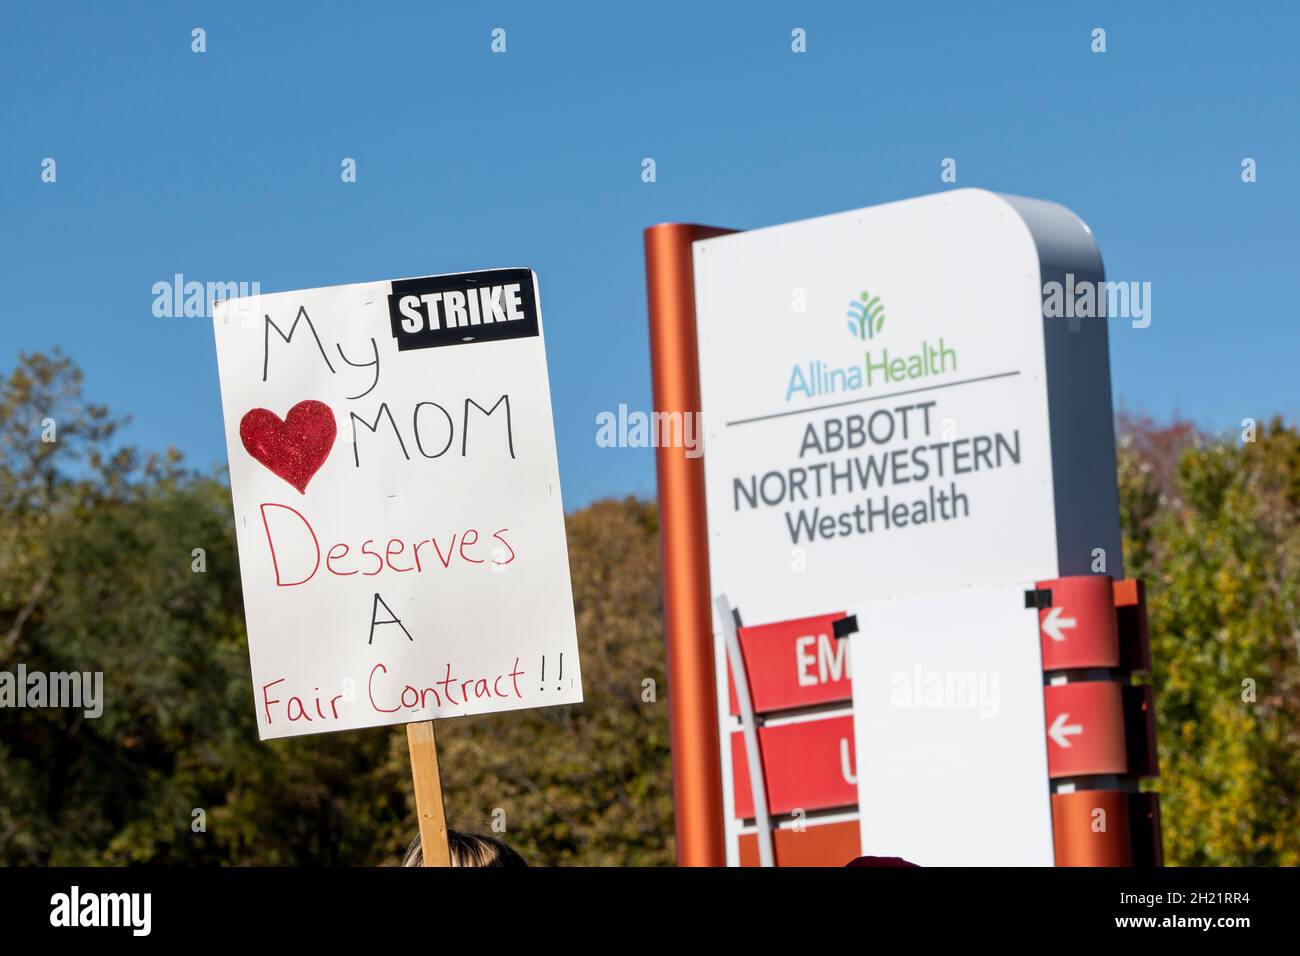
(397, 502)
(950, 730)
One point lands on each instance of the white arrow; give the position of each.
(1061, 732)
(1053, 624)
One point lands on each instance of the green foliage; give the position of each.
(96, 575)
(96, 547)
(1213, 529)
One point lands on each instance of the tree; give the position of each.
(98, 574)
(1212, 526)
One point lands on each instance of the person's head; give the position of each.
(468, 849)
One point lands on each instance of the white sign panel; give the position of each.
(878, 391)
(887, 412)
(950, 730)
(397, 502)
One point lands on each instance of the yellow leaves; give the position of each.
(1223, 608)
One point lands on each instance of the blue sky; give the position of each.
(225, 166)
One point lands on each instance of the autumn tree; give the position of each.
(125, 564)
(1212, 525)
(115, 561)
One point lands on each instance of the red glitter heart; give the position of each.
(294, 448)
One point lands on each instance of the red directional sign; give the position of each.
(1085, 729)
(1091, 828)
(1079, 628)
(826, 844)
(798, 663)
(1107, 828)
(808, 766)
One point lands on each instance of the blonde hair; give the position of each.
(468, 849)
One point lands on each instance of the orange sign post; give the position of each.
(688, 623)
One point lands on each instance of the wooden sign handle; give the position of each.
(428, 793)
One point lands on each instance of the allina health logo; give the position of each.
(866, 316)
(878, 366)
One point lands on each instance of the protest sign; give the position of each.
(397, 502)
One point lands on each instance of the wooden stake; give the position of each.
(428, 793)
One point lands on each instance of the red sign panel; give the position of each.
(1079, 629)
(828, 844)
(1107, 828)
(799, 663)
(807, 766)
(1085, 729)
(1091, 828)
